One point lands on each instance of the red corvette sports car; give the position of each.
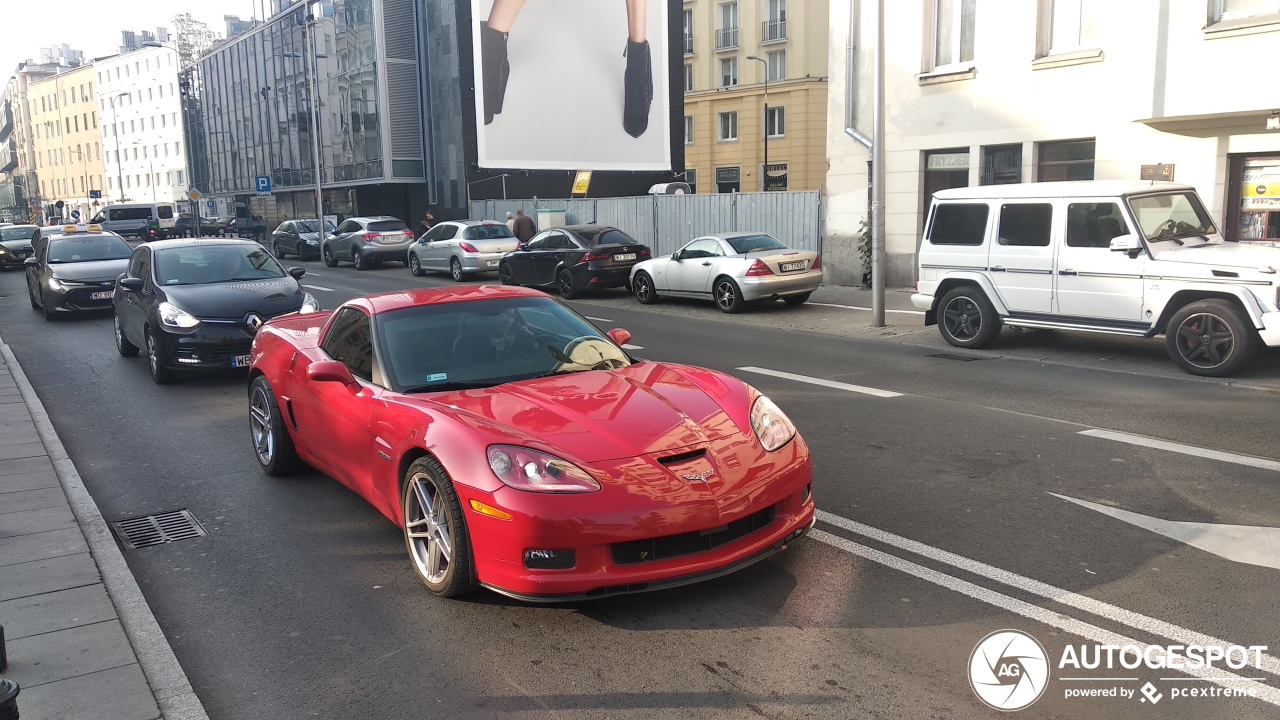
(521, 450)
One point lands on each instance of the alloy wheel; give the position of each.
(642, 288)
(264, 441)
(455, 269)
(724, 295)
(427, 527)
(963, 318)
(152, 354)
(1205, 340)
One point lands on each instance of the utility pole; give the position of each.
(877, 174)
(764, 123)
(313, 65)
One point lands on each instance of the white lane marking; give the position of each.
(824, 383)
(629, 346)
(1080, 602)
(597, 319)
(1027, 610)
(1184, 449)
(866, 309)
(317, 287)
(1251, 545)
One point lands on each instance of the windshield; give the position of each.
(18, 232)
(310, 226)
(203, 264)
(1171, 217)
(88, 249)
(755, 243)
(387, 226)
(485, 343)
(486, 232)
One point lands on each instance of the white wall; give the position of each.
(138, 99)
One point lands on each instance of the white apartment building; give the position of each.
(996, 91)
(141, 120)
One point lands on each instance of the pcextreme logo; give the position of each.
(1008, 670)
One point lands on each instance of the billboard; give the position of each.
(572, 84)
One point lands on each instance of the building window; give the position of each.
(688, 32)
(774, 26)
(688, 129)
(691, 179)
(775, 122)
(953, 24)
(1001, 164)
(1066, 160)
(688, 78)
(1243, 9)
(728, 126)
(728, 72)
(945, 169)
(777, 60)
(727, 35)
(1070, 25)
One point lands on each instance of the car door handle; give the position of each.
(706, 264)
(1067, 272)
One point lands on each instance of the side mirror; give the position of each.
(31, 262)
(1126, 244)
(619, 336)
(331, 371)
(131, 284)
(296, 272)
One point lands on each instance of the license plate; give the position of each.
(624, 257)
(791, 266)
(493, 263)
(240, 361)
(104, 295)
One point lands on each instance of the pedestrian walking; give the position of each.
(522, 227)
(511, 223)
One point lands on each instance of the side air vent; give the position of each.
(1225, 273)
(681, 458)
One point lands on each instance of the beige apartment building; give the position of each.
(68, 141)
(734, 51)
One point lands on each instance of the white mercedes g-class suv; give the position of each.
(1123, 258)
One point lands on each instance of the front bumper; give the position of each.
(206, 347)
(1270, 332)
(776, 286)
(481, 262)
(78, 298)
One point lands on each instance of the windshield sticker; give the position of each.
(437, 377)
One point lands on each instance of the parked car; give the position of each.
(367, 240)
(524, 451)
(75, 270)
(186, 226)
(732, 269)
(1119, 258)
(15, 244)
(574, 259)
(196, 304)
(147, 221)
(299, 237)
(461, 248)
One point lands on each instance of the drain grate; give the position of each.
(951, 356)
(158, 529)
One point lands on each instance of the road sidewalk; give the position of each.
(81, 640)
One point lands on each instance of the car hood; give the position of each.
(267, 298)
(97, 270)
(607, 415)
(1231, 254)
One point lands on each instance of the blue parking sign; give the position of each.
(262, 183)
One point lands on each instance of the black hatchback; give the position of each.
(197, 304)
(574, 259)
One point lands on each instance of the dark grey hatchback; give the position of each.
(74, 270)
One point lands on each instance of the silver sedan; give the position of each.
(732, 270)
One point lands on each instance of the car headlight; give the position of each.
(56, 285)
(313, 241)
(309, 304)
(527, 469)
(771, 425)
(174, 316)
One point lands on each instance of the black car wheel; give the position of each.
(272, 444)
(435, 531)
(44, 307)
(298, 250)
(564, 283)
(505, 275)
(1210, 338)
(727, 295)
(643, 288)
(329, 259)
(123, 346)
(415, 265)
(31, 295)
(455, 270)
(160, 374)
(275, 249)
(358, 259)
(967, 319)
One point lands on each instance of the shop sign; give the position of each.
(948, 161)
(1162, 171)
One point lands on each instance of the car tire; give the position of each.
(564, 284)
(49, 315)
(160, 374)
(644, 290)
(1210, 338)
(329, 259)
(272, 444)
(275, 250)
(31, 295)
(358, 259)
(455, 270)
(415, 265)
(123, 346)
(727, 295)
(297, 250)
(505, 276)
(958, 312)
(800, 299)
(430, 511)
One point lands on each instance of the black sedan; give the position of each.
(75, 271)
(15, 244)
(196, 304)
(574, 259)
(299, 237)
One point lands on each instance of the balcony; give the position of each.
(727, 39)
(773, 30)
(688, 45)
(8, 156)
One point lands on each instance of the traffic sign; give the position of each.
(195, 195)
(262, 184)
(95, 194)
(211, 205)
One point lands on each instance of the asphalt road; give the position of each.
(943, 520)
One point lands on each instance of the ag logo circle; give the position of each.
(1008, 670)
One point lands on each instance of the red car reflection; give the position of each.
(521, 450)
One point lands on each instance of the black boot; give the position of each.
(495, 70)
(637, 89)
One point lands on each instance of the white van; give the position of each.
(133, 219)
(1121, 258)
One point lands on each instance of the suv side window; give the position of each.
(350, 343)
(959, 224)
(346, 227)
(1093, 225)
(1026, 224)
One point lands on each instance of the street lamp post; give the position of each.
(313, 66)
(764, 177)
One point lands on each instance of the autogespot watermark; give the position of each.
(1009, 670)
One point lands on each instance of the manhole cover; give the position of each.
(950, 356)
(158, 529)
